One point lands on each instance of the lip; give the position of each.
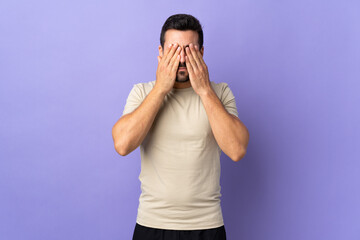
(182, 68)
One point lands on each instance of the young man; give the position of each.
(181, 121)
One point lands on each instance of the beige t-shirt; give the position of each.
(180, 161)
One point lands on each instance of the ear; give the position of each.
(202, 51)
(160, 51)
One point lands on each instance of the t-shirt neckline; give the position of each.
(188, 89)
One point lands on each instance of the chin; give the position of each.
(182, 77)
(182, 80)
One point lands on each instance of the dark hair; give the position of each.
(182, 22)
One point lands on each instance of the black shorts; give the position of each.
(148, 233)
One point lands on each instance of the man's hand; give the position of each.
(198, 71)
(167, 68)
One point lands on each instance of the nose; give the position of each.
(182, 55)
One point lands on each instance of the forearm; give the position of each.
(230, 133)
(130, 130)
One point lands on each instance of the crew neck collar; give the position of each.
(188, 89)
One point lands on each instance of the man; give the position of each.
(181, 121)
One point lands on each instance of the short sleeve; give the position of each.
(228, 100)
(134, 99)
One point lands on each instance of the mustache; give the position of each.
(182, 65)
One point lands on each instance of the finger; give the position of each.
(170, 54)
(200, 56)
(159, 59)
(191, 59)
(167, 50)
(189, 65)
(176, 63)
(195, 56)
(176, 55)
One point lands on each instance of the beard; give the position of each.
(182, 76)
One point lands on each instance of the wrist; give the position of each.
(207, 92)
(157, 91)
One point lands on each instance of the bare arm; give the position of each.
(230, 133)
(130, 130)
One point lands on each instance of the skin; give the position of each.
(182, 39)
(181, 48)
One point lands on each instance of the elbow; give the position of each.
(239, 154)
(121, 149)
(240, 151)
(120, 146)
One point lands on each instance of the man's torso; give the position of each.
(180, 164)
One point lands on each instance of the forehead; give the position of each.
(181, 37)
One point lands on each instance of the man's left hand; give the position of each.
(198, 71)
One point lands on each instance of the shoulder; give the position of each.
(143, 88)
(145, 85)
(220, 88)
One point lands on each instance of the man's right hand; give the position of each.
(167, 68)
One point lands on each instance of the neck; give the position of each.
(186, 84)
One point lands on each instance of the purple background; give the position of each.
(66, 68)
